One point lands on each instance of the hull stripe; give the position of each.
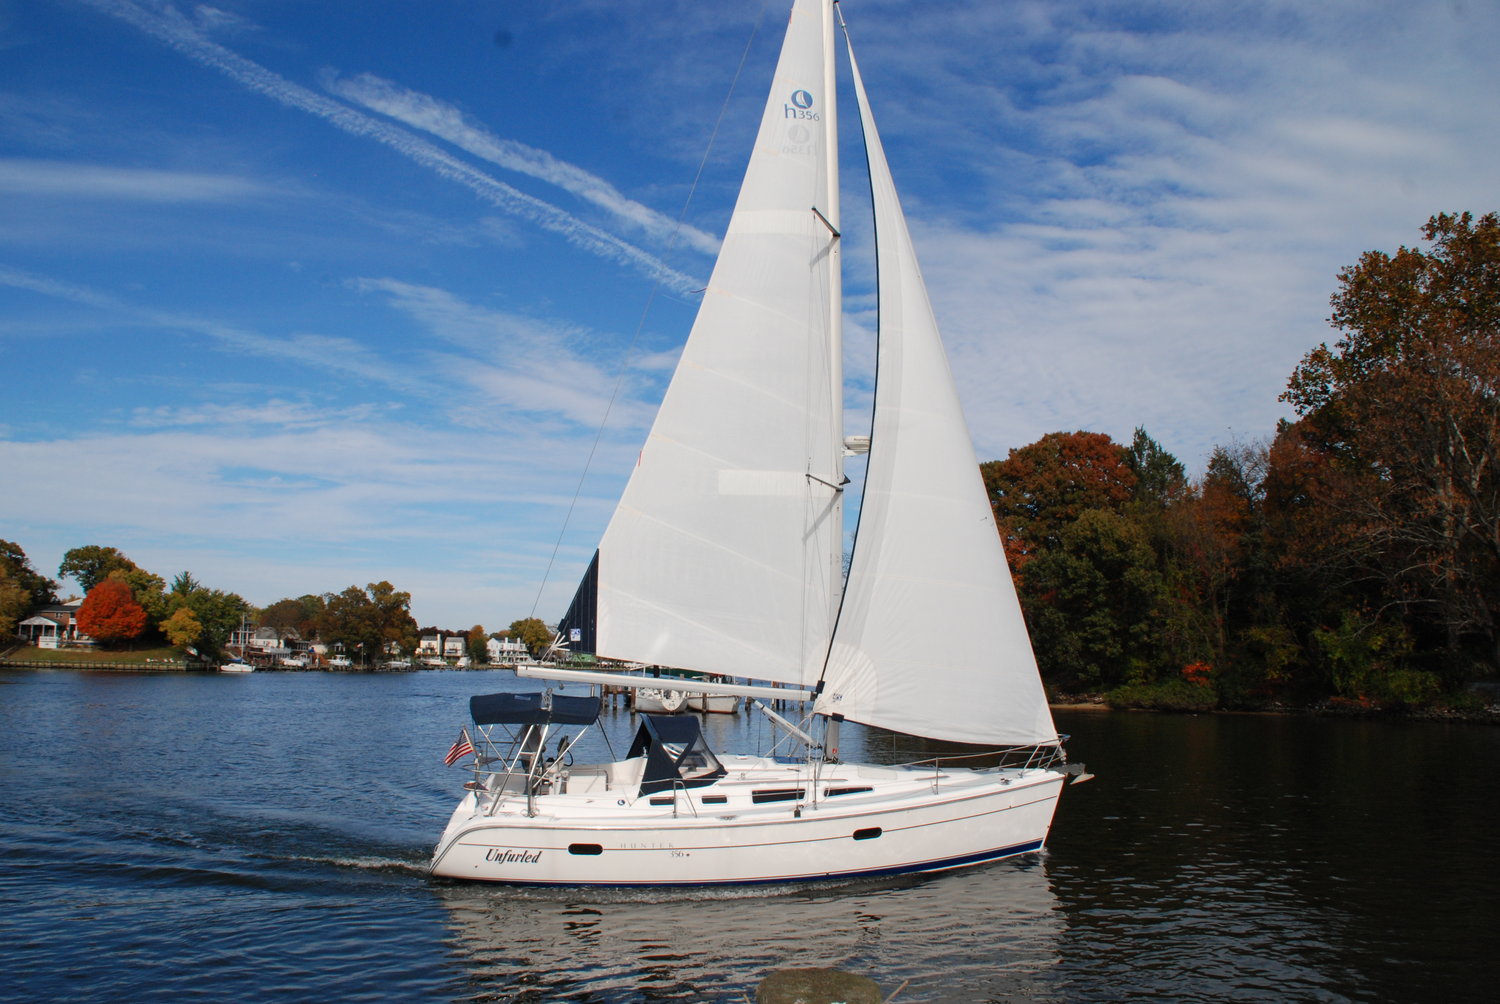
(909, 869)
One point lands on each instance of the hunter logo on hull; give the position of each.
(504, 855)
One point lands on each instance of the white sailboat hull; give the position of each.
(912, 819)
(655, 701)
(715, 704)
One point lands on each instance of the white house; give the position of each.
(506, 651)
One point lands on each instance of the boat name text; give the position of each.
(504, 855)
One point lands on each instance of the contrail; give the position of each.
(440, 119)
(170, 26)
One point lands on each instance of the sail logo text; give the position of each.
(504, 855)
(801, 107)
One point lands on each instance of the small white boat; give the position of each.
(725, 557)
(715, 704)
(657, 701)
(237, 666)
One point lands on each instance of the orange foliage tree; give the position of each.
(109, 613)
(1040, 489)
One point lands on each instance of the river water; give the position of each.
(263, 838)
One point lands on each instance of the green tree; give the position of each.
(1160, 479)
(15, 601)
(1096, 602)
(218, 614)
(149, 590)
(91, 564)
(16, 567)
(533, 633)
(1406, 405)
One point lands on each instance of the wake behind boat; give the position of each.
(724, 557)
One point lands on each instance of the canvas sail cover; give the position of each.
(927, 553)
(724, 553)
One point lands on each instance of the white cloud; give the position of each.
(421, 111)
(56, 178)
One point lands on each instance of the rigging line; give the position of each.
(645, 312)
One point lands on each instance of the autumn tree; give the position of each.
(1406, 404)
(182, 629)
(298, 617)
(478, 645)
(1040, 489)
(533, 633)
(369, 620)
(109, 613)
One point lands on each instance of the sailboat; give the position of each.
(724, 557)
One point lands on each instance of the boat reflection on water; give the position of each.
(985, 933)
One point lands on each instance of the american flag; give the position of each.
(460, 749)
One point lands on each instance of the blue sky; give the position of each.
(297, 296)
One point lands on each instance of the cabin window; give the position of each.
(585, 849)
(714, 799)
(776, 795)
(858, 790)
(663, 800)
(869, 833)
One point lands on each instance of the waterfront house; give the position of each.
(54, 626)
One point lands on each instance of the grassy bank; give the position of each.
(163, 657)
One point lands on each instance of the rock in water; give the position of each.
(817, 986)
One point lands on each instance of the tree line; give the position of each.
(1354, 555)
(126, 605)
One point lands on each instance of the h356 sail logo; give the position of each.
(801, 107)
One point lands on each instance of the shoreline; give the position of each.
(1486, 715)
